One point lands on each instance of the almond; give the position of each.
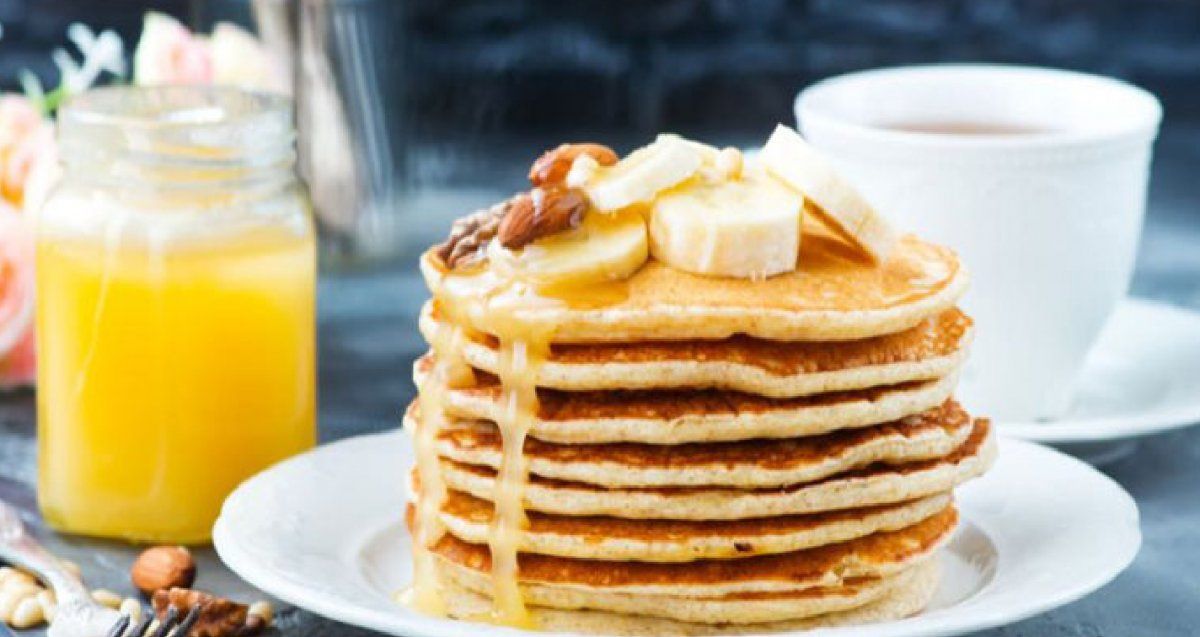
(539, 213)
(163, 567)
(552, 167)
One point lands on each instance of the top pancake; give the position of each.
(832, 295)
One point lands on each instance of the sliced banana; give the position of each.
(718, 163)
(745, 227)
(603, 248)
(643, 174)
(835, 201)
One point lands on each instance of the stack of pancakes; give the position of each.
(716, 454)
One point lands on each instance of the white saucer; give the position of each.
(1142, 377)
(322, 531)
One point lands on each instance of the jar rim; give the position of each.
(174, 106)
(179, 127)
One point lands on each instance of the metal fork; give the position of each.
(77, 614)
(171, 624)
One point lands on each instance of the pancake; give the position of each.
(832, 295)
(872, 556)
(877, 484)
(933, 349)
(610, 538)
(749, 463)
(728, 609)
(909, 593)
(679, 416)
(677, 453)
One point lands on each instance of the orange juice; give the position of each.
(176, 273)
(166, 379)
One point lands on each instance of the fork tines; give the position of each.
(170, 624)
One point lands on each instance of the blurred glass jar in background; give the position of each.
(346, 64)
(176, 330)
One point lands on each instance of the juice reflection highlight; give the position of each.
(167, 376)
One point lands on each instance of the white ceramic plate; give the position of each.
(322, 531)
(1142, 377)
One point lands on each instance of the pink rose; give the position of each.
(19, 368)
(17, 357)
(24, 136)
(18, 116)
(36, 147)
(168, 53)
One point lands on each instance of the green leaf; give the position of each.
(32, 87)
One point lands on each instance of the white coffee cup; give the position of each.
(1045, 208)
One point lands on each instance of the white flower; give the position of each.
(168, 53)
(239, 59)
(100, 53)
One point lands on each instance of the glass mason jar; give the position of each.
(176, 271)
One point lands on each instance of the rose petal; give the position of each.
(239, 59)
(37, 145)
(168, 53)
(16, 281)
(19, 368)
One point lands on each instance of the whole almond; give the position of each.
(163, 567)
(516, 228)
(542, 212)
(552, 167)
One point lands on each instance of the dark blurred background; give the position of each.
(547, 68)
(701, 66)
(472, 90)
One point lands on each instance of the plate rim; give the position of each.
(1115, 428)
(979, 618)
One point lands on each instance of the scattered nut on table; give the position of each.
(106, 598)
(27, 614)
(163, 567)
(48, 603)
(259, 618)
(19, 593)
(25, 603)
(132, 607)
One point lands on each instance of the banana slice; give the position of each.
(643, 174)
(747, 227)
(835, 201)
(603, 248)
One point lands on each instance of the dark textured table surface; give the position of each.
(368, 341)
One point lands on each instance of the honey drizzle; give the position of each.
(522, 352)
(426, 592)
(491, 303)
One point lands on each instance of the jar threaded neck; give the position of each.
(177, 136)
